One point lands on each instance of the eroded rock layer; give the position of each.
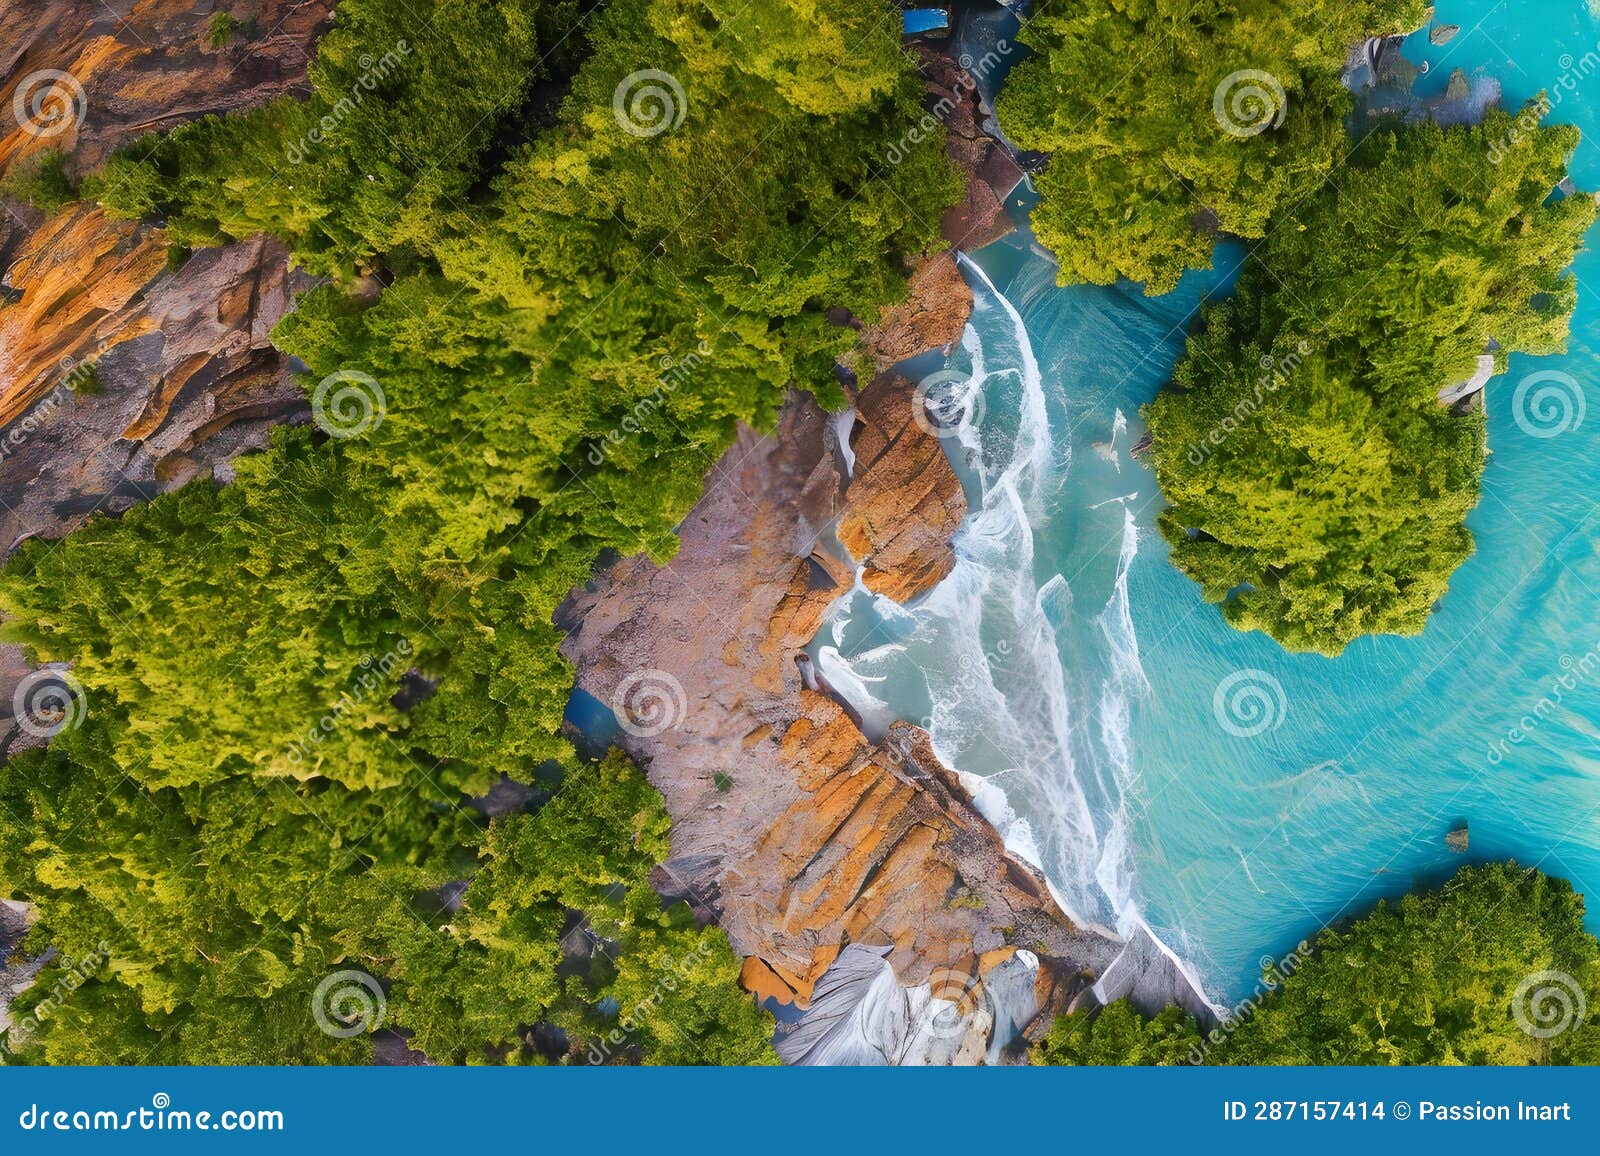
(141, 66)
(790, 827)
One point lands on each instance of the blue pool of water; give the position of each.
(1073, 673)
(925, 20)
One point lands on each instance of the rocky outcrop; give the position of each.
(932, 317)
(905, 501)
(955, 99)
(120, 380)
(137, 66)
(789, 826)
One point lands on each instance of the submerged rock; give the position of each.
(1443, 34)
(1457, 839)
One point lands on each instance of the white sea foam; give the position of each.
(1030, 688)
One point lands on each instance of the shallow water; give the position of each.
(1104, 713)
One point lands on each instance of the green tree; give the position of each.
(1494, 967)
(568, 334)
(1164, 119)
(1317, 487)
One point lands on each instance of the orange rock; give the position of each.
(932, 317)
(904, 500)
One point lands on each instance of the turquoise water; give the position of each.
(1102, 710)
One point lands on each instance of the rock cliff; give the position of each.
(800, 835)
(119, 378)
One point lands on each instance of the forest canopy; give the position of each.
(508, 283)
(1494, 967)
(1166, 120)
(1318, 488)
